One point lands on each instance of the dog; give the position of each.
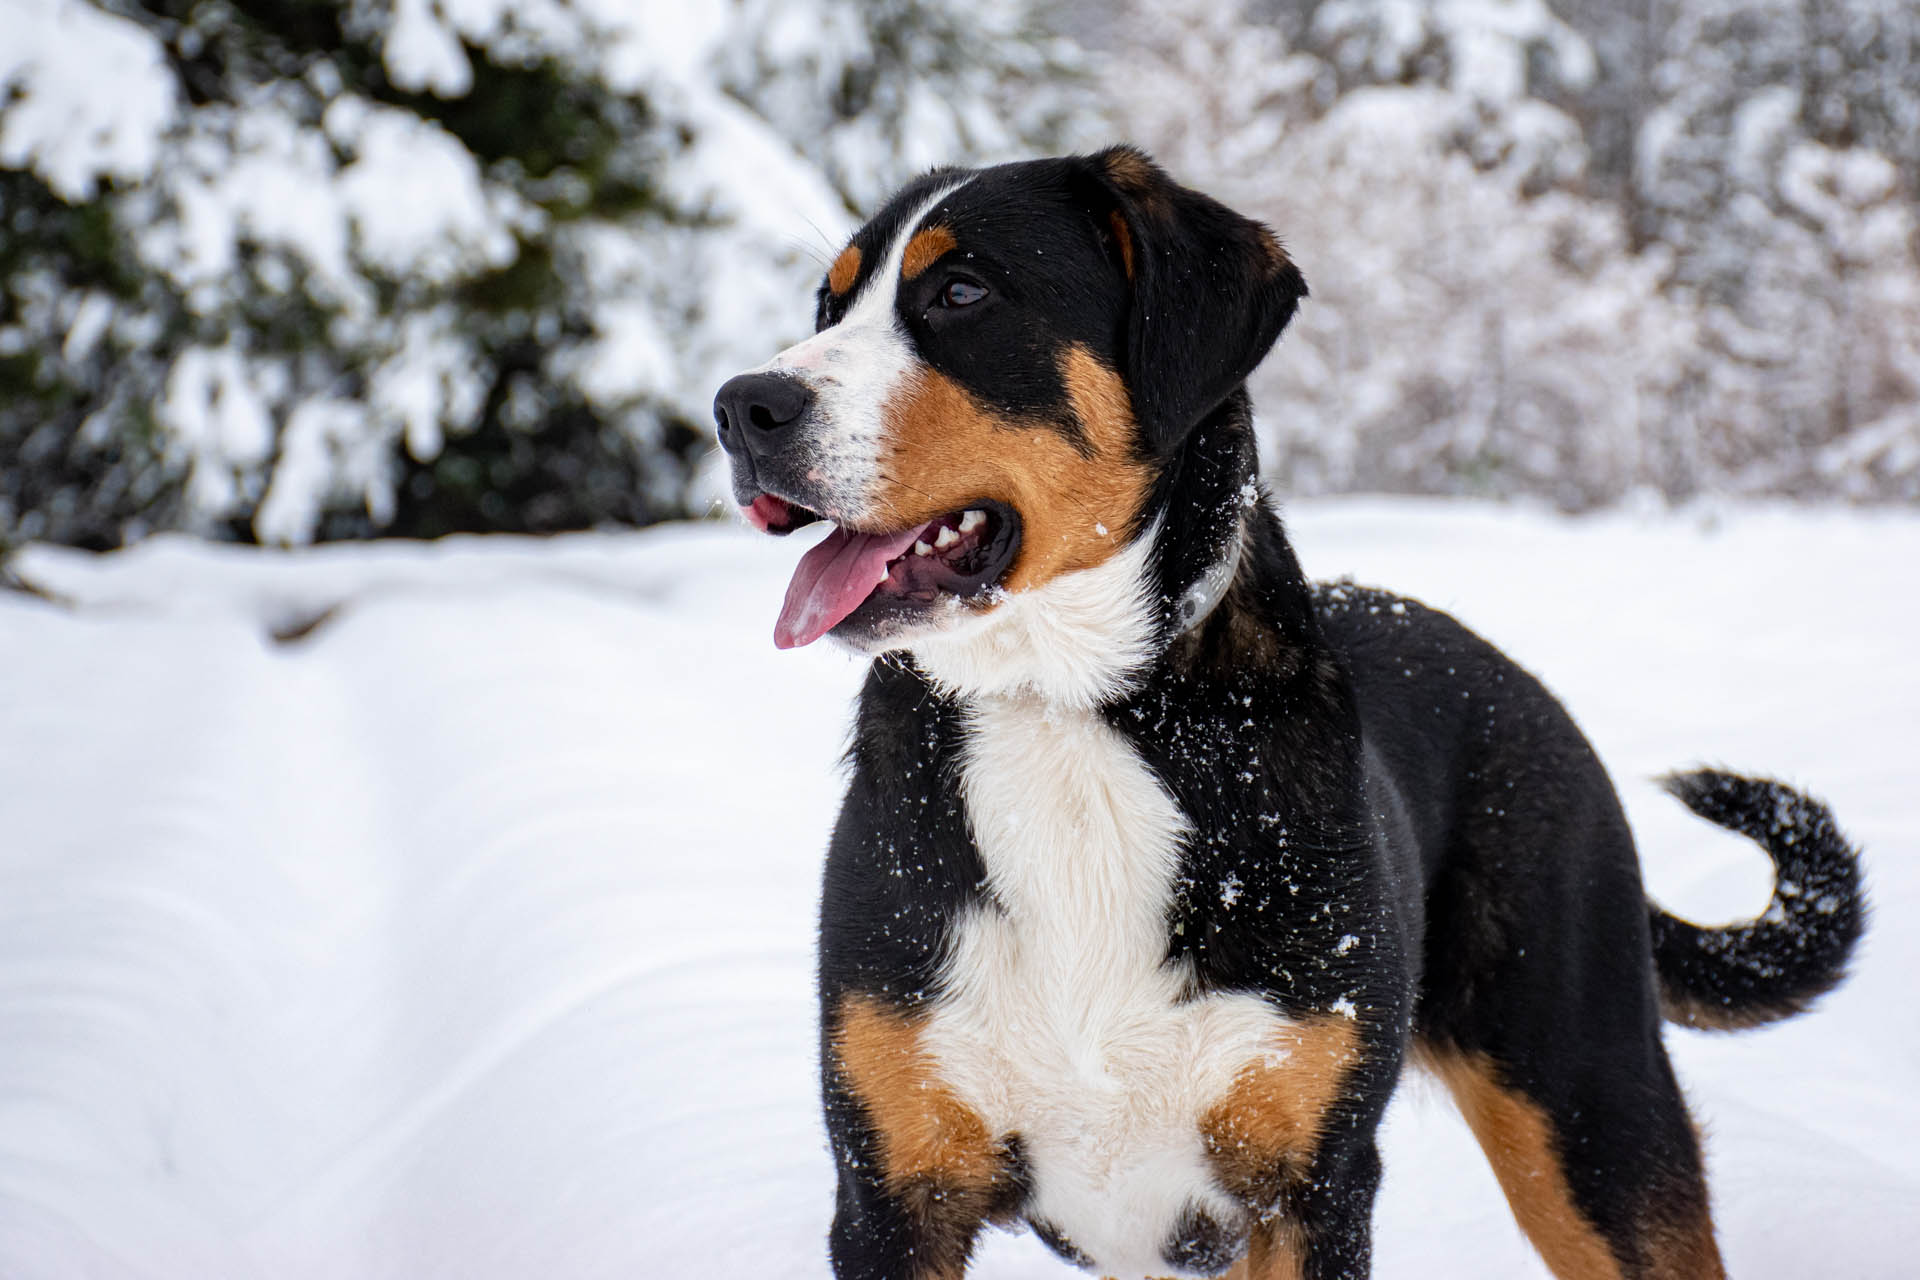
(1157, 862)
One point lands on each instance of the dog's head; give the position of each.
(1004, 359)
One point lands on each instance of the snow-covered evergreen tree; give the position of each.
(1563, 247)
(292, 269)
(296, 269)
(1780, 167)
(1467, 303)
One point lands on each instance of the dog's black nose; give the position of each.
(753, 411)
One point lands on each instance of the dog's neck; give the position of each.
(1200, 508)
(1088, 639)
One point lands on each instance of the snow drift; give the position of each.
(465, 929)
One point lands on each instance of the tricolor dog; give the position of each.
(1159, 862)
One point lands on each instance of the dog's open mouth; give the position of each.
(959, 554)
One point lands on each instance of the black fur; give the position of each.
(1056, 1240)
(1208, 294)
(1536, 953)
(1211, 291)
(1201, 1244)
(1029, 235)
(1388, 816)
(1773, 967)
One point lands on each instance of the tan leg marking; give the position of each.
(1682, 1244)
(1518, 1141)
(1684, 1250)
(924, 1130)
(944, 449)
(935, 1153)
(1276, 1252)
(924, 249)
(841, 275)
(1263, 1133)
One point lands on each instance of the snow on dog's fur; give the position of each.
(1157, 862)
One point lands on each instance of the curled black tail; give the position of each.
(1796, 951)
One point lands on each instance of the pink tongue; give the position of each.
(832, 580)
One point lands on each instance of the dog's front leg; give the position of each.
(1321, 1225)
(911, 1233)
(1335, 1210)
(918, 1171)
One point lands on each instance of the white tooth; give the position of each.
(922, 549)
(947, 537)
(972, 520)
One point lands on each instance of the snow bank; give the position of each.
(468, 932)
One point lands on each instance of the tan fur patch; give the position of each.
(1123, 238)
(1263, 1133)
(1518, 1141)
(936, 1155)
(846, 267)
(1685, 1250)
(944, 450)
(924, 1130)
(1276, 256)
(1129, 170)
(924, 250)
(1688, 1012)
(1276, 1252)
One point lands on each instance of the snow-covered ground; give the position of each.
(469, 933)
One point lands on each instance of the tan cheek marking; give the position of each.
(944, 449)
(924, 249)
(1262, 1134)
(841, 275)
(936, 1155)
(1518, 1141)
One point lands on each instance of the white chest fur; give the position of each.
(1061, 1022)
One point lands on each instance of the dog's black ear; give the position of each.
(1211, 292)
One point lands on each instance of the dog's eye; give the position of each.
(961, 293)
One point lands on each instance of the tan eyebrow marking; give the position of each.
(926, 246)
(845, 268)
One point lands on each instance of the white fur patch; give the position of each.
(1076, 640)
(853, 369)
(1060, 1021)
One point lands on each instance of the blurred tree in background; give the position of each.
(299, 269)
(1565, 248)
(303, 269)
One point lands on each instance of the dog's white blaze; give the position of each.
(853, 369)
(1060, 1020)
(1075, 641)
